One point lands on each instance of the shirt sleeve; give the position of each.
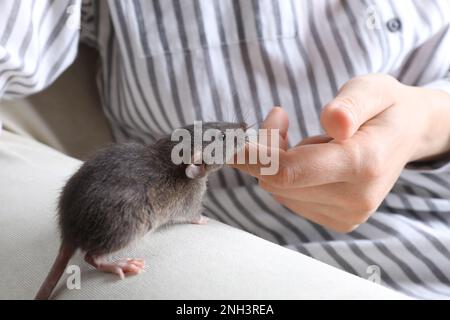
(441, 84)
(441, 165)
(90, 19)
(38, 41)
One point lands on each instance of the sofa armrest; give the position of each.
(216, 261)
(213, 261)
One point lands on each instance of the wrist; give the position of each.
(433, 122)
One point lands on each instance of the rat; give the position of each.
(125, 191)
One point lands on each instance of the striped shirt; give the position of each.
(166, 63)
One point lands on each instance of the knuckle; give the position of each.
(367, 161)
(371, 80)
(360, 218)
(345, 228)
(360, 79)
(372, 170)
(365, 207)
(352, 154)
(384, 77)
(375, 77)
(286, 177)
(347, 101)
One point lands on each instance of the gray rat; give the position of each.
(124, 191)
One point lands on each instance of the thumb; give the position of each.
(358, 101)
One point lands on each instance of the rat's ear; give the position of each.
(195, 171)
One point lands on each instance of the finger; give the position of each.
(278, 119)
(314, 165)
(248, 159)
(359, 100)
(355, 204)
(315, 140)
(335, 193)
(322, 215)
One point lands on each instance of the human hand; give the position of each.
(374, 126)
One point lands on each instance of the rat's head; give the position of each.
(205, 147)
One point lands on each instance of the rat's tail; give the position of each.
(65, 253)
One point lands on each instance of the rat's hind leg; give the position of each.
(201, 219)
(120, 267)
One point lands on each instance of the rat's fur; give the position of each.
(122, 192)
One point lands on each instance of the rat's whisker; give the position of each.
(250, 126)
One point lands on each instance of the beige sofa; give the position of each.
(184, 262)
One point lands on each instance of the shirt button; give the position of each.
(394, 25)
